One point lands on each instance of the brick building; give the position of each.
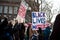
(9, 8)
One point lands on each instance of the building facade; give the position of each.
(9, 8)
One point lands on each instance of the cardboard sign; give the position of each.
(38, 20)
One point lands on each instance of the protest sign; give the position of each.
(38, 20)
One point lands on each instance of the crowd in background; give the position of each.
(12, 30)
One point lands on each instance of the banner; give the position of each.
(22, 12)
(38, 20)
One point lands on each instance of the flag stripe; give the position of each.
(21, 12)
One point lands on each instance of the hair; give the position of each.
(5, 22)
(56, 29)
(57, 22)
(39, 31)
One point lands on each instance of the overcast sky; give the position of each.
(56, 5)
(55, 8)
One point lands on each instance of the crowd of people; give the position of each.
(12, 30)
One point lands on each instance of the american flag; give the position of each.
(21, 12)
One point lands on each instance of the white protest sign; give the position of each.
(38, 20)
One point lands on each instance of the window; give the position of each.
(1, 8)
(14, 16)
(5, 9)
(15, 10)
(10, 10)
(9, 15)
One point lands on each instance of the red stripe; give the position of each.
(22, 11)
